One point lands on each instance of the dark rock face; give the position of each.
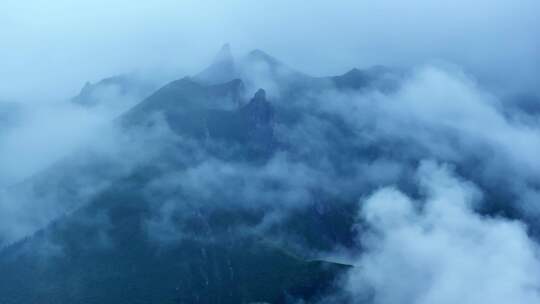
(259, 111)
(190, 109)
(259, 115)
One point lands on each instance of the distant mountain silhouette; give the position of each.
(129, 88)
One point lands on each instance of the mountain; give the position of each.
(257, 69)
(379, 77)
(116, 91)
(102, 254)
(197, 206)
(222, 69)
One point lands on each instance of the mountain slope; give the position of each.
(223, 68)
(116, 248)
(104, 254)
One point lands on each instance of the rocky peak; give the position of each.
(260, 56)
(260, 95)
(259, 111)
(258, 114)
(222, 69)
(224, 54)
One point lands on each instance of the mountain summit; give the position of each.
(222, 69)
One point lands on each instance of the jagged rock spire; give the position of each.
(222, 69)
(260, 56)
(224, 54)
(259, 110)
(258, 114)
(260, 95)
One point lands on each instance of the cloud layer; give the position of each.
(438, 250)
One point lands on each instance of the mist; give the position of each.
(399, 139)
(51, 50)
(440, 245)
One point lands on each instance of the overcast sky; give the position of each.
(445, 112)
(50, 48)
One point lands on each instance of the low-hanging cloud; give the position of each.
(442, 113)
(427, 230)
(438, 250)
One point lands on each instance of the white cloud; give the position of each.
(438, 250)
(442, 113)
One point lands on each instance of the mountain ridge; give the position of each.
(103, 251)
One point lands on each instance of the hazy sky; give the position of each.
(50, 48)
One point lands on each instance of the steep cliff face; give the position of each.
(259, 115)
(259, 111)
